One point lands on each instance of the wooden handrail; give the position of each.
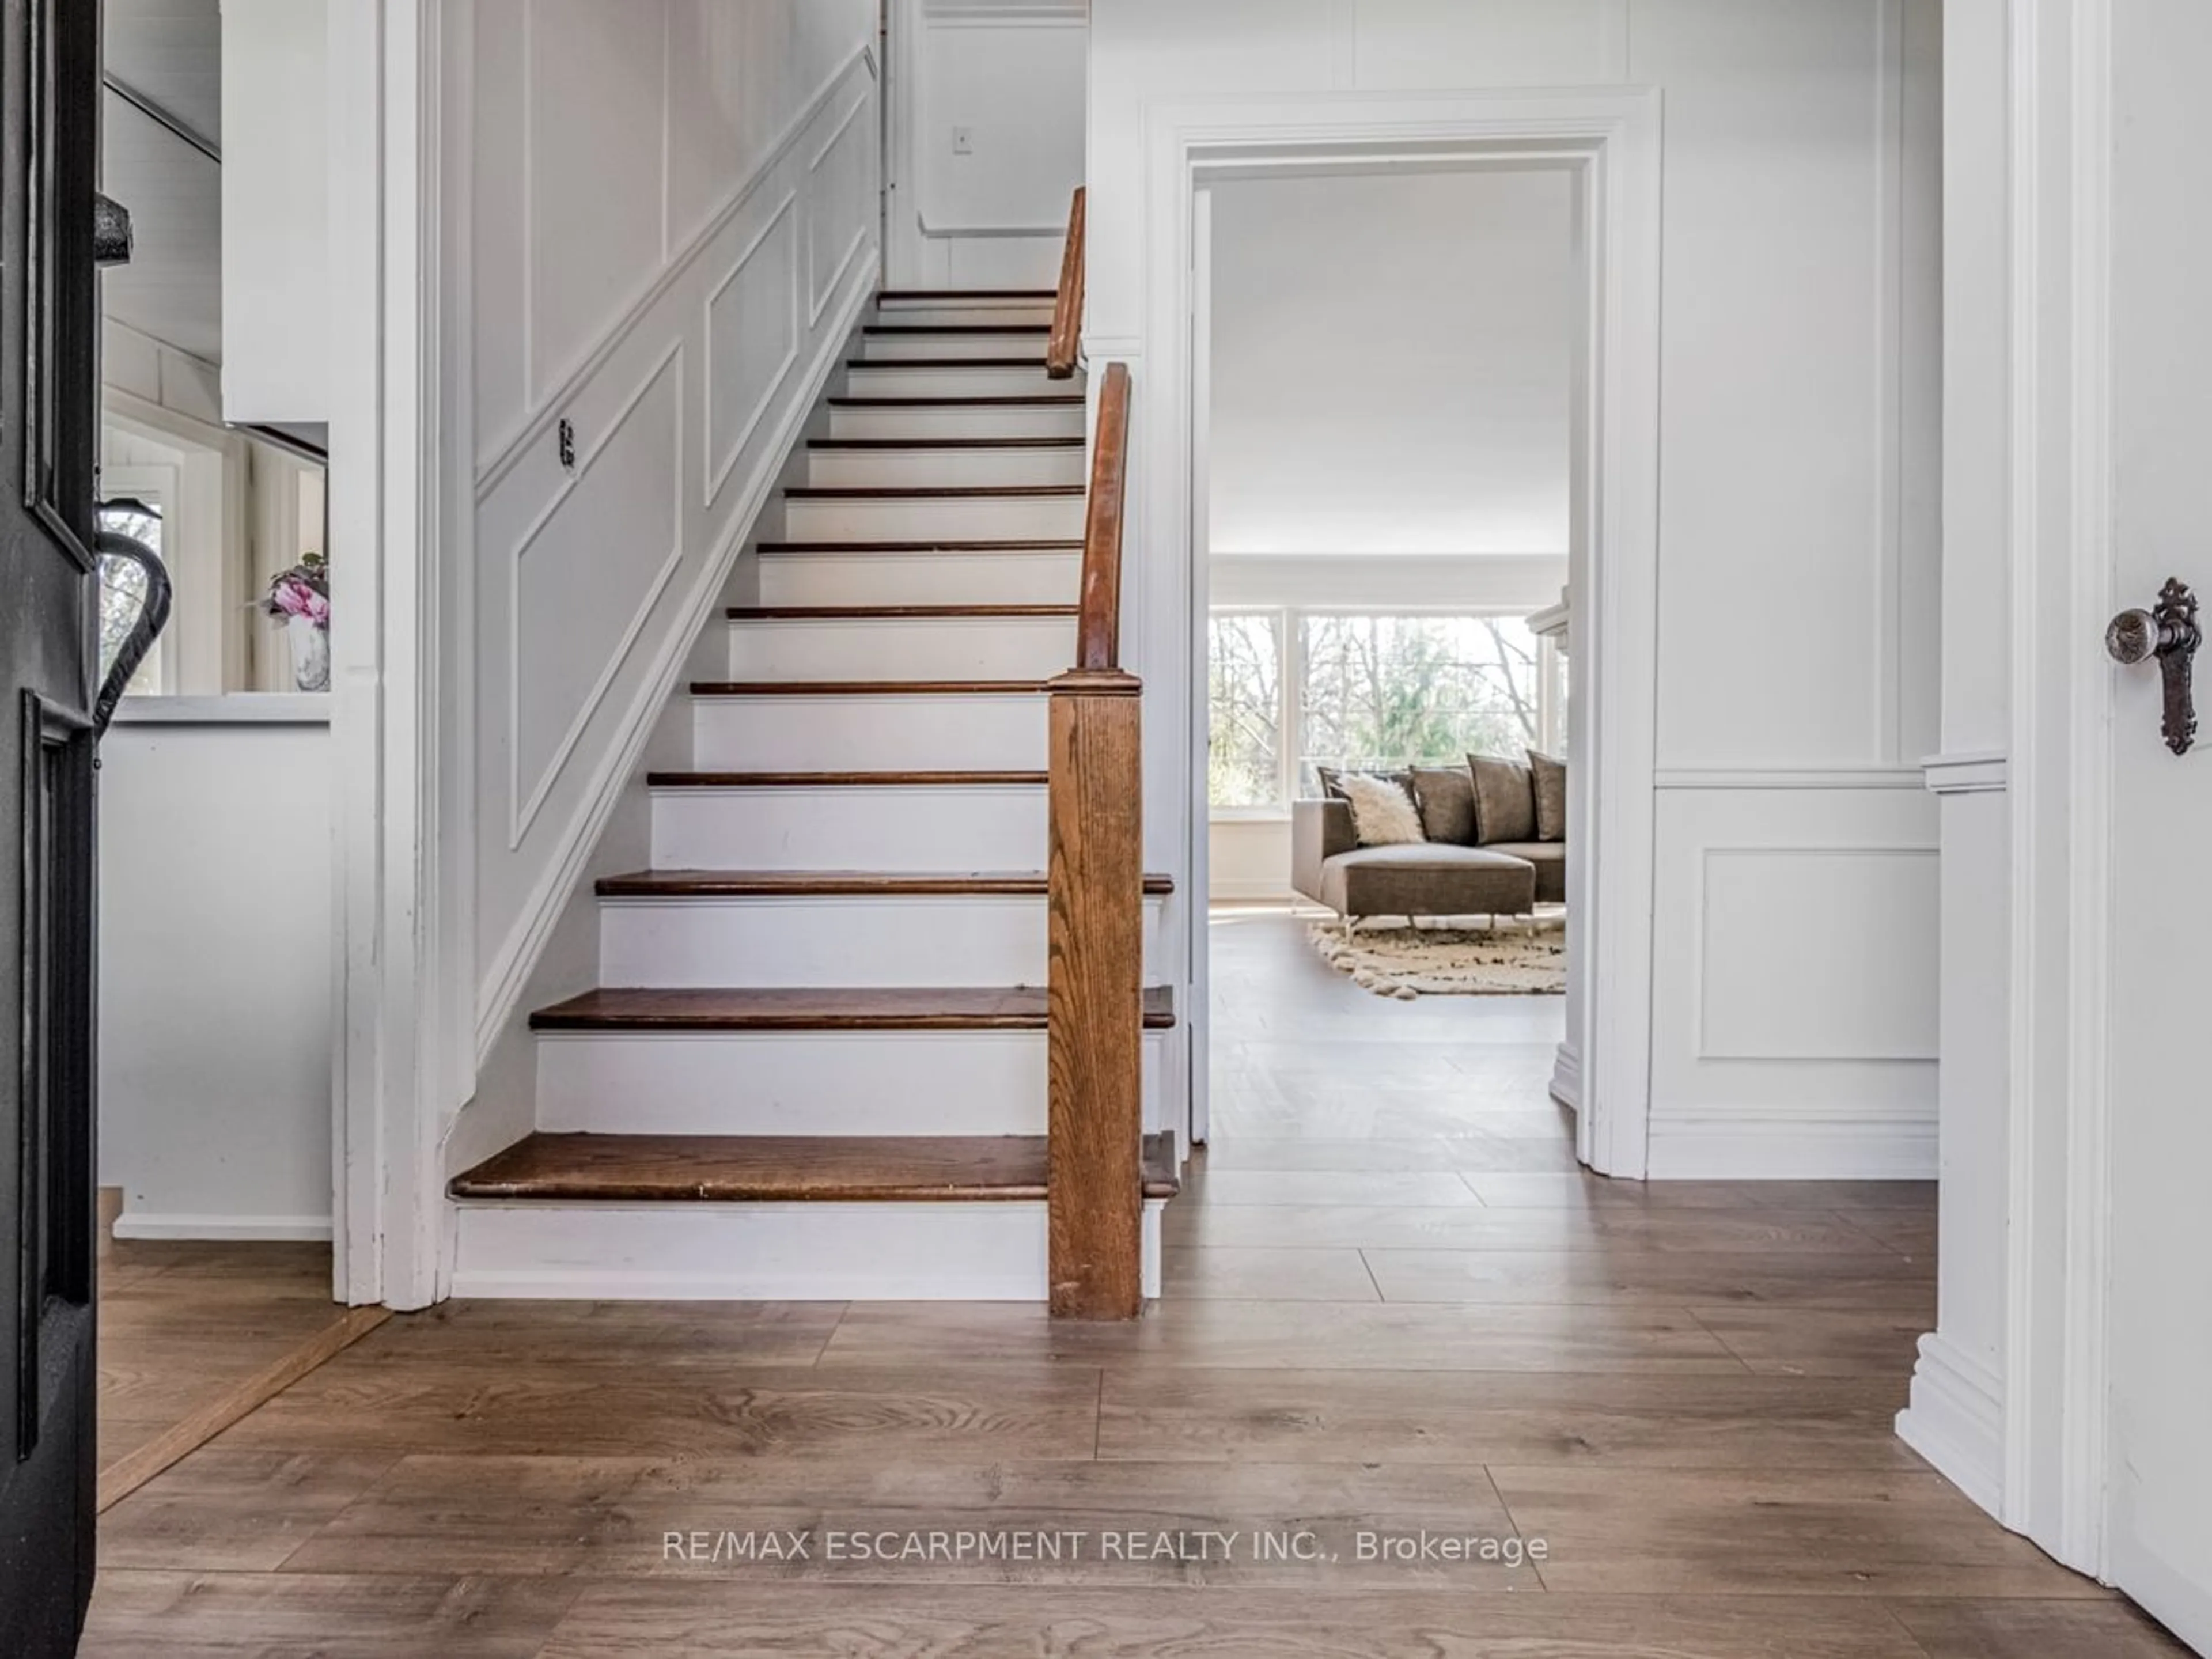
(1094, 1001)
(1098, 602)
(1065, 344)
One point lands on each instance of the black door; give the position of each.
(49, 427)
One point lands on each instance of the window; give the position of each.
(1244, 686)
(1291, 691)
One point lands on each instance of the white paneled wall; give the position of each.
(988, 139)
(672, 234)
(1799, 560)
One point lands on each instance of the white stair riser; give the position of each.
(966, 1252)
(831, 940)
(909, 380)
(905, 347)
(992, 733)
(932, 518)
(805, 1083)
(959, 420)
(902, 649)
(857, 827)
(968, 313)
(843, 577)
(894, 469)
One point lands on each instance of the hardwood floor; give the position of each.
(193, 1335)
(1394, 1306)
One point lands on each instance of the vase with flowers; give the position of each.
(300, 599)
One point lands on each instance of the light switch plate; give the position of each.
(963, 141)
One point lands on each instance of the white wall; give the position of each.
(215, 968)
(672, 230)
(276, 226)
(1798, 566)
(1009, 74)
(1391, 363)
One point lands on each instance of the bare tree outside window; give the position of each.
(1243, 764)
(1370, 691)
(1384, 691)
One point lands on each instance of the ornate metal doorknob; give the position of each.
(2167, 631)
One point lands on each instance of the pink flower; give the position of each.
(291, 599)
(318, 609)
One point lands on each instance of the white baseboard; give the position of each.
(1787, 1145)
(1956, 1421)
(305, 1227)
(1567, 1078)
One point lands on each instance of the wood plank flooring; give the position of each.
(1684, 1393)
(193, 1333)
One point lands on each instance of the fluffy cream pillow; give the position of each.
(1383, 813)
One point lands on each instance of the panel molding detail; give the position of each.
(820, 292)
(684, 413)
(1723, 1023)
(524, 809)
(782, 222)
(545, 403)
(1967, 772)
(1809, 777)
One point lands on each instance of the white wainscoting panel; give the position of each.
(1795, 1006)
(841, 203)
(573, 602)
(1800, 958)
(677, 368)
(752, 329)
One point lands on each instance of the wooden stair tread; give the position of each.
(1063, 400)
(749, 884)
(872, 445)
(783, 1168)
(953, 295)
(897, 330)
(1036, 363)
(925, 492)
(1012, 544)
(842, 779)
(916, 1008)
(890, 612)
(868, 688)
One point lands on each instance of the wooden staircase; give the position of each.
(816, 1064)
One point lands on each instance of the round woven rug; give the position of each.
(1521, 958)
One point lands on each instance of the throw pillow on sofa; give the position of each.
(1332, 778)
(1445, 796)
(1382, 812)
(1549, 775)
(1504, 800)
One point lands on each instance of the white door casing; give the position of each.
(1610, 140)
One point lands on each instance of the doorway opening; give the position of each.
(1387, 522)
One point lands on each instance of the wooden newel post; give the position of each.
(1095, 1042)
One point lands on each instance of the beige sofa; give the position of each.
(1429, 878)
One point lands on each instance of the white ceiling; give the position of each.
(172, 51)
(1391, 363)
